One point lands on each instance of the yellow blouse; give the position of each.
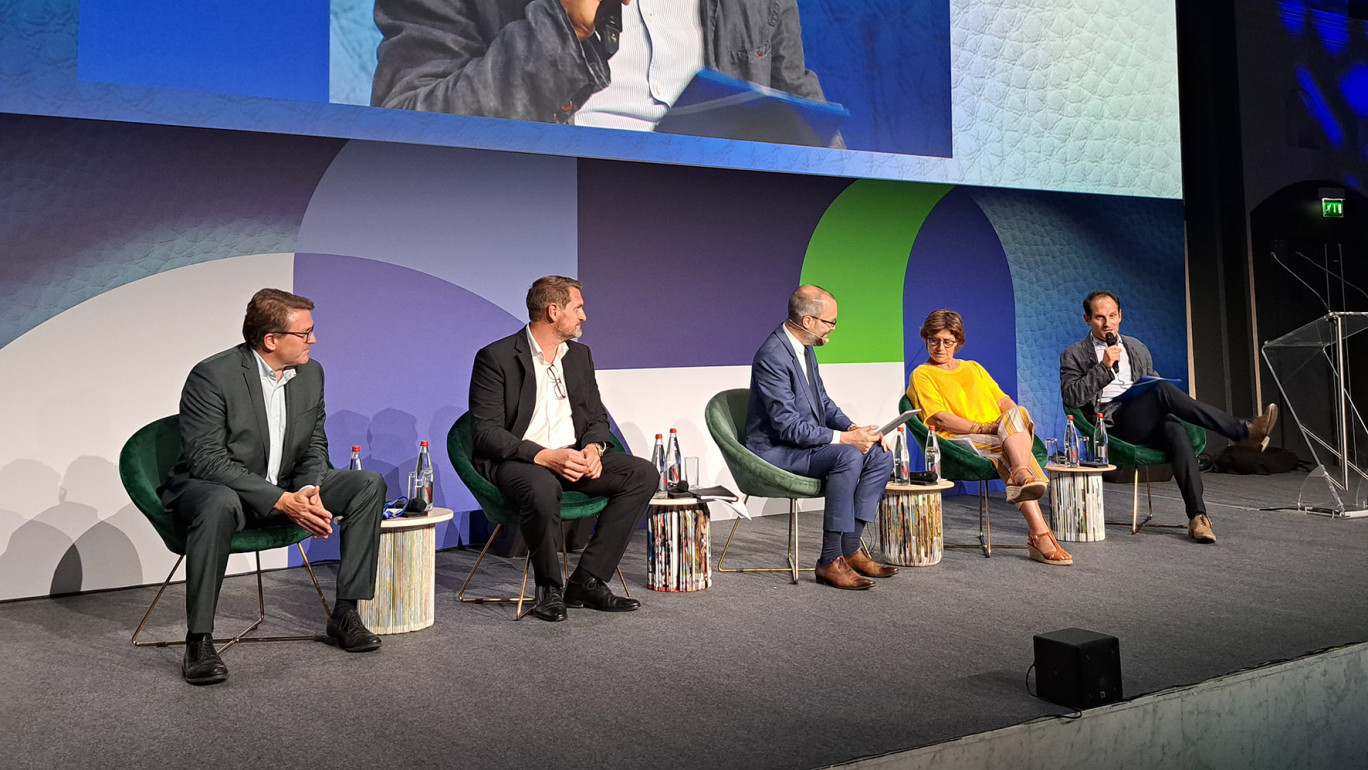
(967, 392)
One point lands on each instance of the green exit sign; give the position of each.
(1332, 207)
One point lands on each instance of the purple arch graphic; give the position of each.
(958, 263)
(397, 345)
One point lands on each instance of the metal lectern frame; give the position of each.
(1313, 357)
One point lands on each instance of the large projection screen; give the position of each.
(1067, 95)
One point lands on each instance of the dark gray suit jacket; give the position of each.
(1082, 377)
(225, 435)
(503, 395)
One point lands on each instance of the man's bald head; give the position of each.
(808, 300)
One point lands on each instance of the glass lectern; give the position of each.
(1312, 372)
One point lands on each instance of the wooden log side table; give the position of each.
(678, 545)
(910, 524)
(1076, 503)
(406, 575)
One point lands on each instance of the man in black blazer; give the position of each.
(1096, 371)
(541, 429)
(255, 454)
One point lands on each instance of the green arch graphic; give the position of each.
(859, 253)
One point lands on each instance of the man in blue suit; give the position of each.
(793, 424)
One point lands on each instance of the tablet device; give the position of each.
(899, 420)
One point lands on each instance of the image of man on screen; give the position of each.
(550, 61)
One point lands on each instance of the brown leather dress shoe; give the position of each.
(1199, 529)
(861, 562)
(839, 574)
(1261, 426)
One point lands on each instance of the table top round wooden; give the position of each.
(675, 502)
(1079, 469)
(434, 516)
(939, 486)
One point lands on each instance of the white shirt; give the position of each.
(1121, 381)
(552, 425)
(800, 350)
(273, 392)
(659, 51)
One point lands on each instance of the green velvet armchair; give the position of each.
(725, 415)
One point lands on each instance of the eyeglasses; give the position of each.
(830, 324)
(940, 342)
(304, 335)
(555, 382)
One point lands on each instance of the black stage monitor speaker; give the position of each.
(1078, 668)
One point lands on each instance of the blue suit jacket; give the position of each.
(784, 413)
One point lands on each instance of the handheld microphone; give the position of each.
(1111, 340)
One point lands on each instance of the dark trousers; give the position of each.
(209, 514)
(1151, 418)
(628, 482)
(854, 482)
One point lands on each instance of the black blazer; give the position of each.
(503, 393)
(225, 437)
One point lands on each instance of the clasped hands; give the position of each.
(582, 15)
(865, 437)
(572, 464)
(305, 508)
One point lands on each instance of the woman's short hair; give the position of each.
(943, 320)
(269, 311)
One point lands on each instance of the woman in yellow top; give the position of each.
(960, 400)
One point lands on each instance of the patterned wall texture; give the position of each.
(130, 252)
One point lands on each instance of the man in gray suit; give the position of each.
(1096, 372)
(255, 454)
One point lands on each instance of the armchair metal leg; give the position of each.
(985, 521)
(519, 613)
(565, 567)
(793, 567)
(1135, 498)
(241, 636)
(522, 592)
(985, 533)
(1149, 500)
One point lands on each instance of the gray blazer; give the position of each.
(1082, 377)
(225, 435)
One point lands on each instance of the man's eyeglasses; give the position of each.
(939, 342)
(556, 381)
(830, 324)
(304, 335)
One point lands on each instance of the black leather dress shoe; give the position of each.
(550, 604)
(594, 594)
(202, 664)
(348, 632)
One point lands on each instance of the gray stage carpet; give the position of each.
(753, 673)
